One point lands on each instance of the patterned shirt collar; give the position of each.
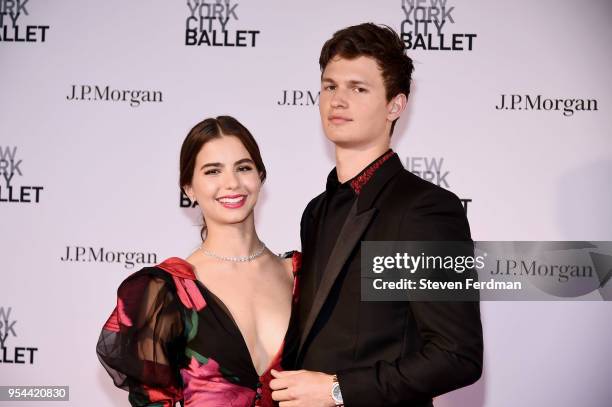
(360, 180)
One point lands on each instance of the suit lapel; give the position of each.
(308, 283)
(350, 235)
(360, 216)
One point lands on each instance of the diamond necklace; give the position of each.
(236, 259)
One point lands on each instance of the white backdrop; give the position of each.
(109, 170)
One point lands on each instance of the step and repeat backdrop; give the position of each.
(510, 110)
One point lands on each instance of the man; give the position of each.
(372, 353)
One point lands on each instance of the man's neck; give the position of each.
(350, 162)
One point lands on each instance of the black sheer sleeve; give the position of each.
(139, 344)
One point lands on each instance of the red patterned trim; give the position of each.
(359, 181)
(112, 323)
(178, 267)
(264, 391)
(184, 279)
(122, 317)
(296, 261)
(162, 396)
(189, 294)
(297, 265)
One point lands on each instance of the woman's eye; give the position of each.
(244, 168)
(211, 172)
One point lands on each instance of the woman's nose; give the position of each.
(231, 180)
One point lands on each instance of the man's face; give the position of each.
(353, 105)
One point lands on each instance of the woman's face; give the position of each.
(225, 182)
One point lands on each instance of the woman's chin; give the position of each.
(234, 218)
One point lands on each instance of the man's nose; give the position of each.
(338, 99)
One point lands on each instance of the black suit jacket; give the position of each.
(384, 353)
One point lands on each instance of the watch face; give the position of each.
(336, 394)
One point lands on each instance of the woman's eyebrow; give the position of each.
(211, 165)
(244, 160)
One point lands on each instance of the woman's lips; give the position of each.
(232, 201)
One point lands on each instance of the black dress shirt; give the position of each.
(338, 202)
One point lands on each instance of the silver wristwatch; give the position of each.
(335, 391)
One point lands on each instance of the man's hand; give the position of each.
(302, 388)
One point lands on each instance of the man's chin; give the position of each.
(344, 140)
(340, 136)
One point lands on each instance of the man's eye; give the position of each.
(329, 87)
(211, 172)
(360, 90)
(243, 168)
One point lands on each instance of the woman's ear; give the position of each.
(188, 190)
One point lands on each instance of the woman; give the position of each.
(209, 329)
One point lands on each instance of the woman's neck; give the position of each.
(238, 239)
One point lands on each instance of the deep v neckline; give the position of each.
(228, 313)
(192, 275)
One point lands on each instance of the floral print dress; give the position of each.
(170, 340)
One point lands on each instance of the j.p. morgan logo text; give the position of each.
(209, 24)
(298, 98)
(12, 13)
(539, 102)
(95, 93)
(13, 191)
(8, 334)
(89, 254)
(426, 26)
(432, 169)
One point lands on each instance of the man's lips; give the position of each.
(232, 201)
(339, 119)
